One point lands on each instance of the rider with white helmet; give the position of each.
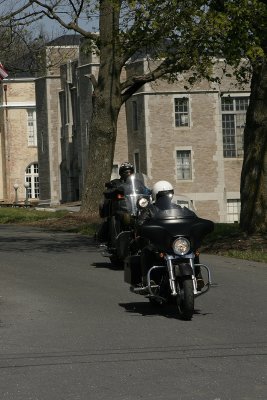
(162, 188)
(162, 194)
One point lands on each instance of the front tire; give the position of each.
(185, 299)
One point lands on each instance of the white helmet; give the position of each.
(162, 188)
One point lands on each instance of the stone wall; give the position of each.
(17, 96)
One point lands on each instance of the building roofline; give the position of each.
(195, 91)
(13, 80)
(48, 77)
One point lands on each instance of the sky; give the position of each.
(52, 28)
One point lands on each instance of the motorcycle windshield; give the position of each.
(161, 232)
(166, 209)
(134, 189)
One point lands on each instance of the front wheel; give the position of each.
(185, 299)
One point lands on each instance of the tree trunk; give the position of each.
(106, 106)
(253, 188)
(101, 154)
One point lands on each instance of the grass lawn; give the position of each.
(226, 240)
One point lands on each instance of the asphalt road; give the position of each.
(70, 329)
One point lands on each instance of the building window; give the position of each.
(136, 162)
(233, 210)
(62, 103)
(74, 105)
(135, 115)
(32, 132)
(181, 109)
(32, 177)
(184, 164)
(182, 203)
(68, 104)
(233, 123)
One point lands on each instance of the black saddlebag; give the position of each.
(132, 270)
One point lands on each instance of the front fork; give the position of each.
(192, 265)
(172, 277)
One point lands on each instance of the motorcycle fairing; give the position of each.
(162, 232)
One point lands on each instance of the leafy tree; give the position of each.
(254, 172)
(20, 51)
(245, 35)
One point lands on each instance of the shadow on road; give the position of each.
(23, 239)
(107, 265)
(148, 310)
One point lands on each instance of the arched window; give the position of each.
(32, 177)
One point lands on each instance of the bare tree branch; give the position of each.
(11, 15)
(51, 14)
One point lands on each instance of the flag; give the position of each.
(3, 73)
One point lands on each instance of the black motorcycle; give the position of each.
(120, 211)
(172, 237)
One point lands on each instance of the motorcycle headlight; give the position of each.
(181, 246)
(142, 202)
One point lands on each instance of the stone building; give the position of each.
(63, 102)
(192, 138)
(49, 132)
(18, 140)
(20, 159)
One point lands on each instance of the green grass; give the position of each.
(226, 239)
(62, 220)
(252, 255)
(222, 231)
(10, 215)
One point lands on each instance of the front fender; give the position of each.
(183, 269)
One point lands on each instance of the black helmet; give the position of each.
(125, 167)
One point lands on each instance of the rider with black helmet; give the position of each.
(125, 170)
